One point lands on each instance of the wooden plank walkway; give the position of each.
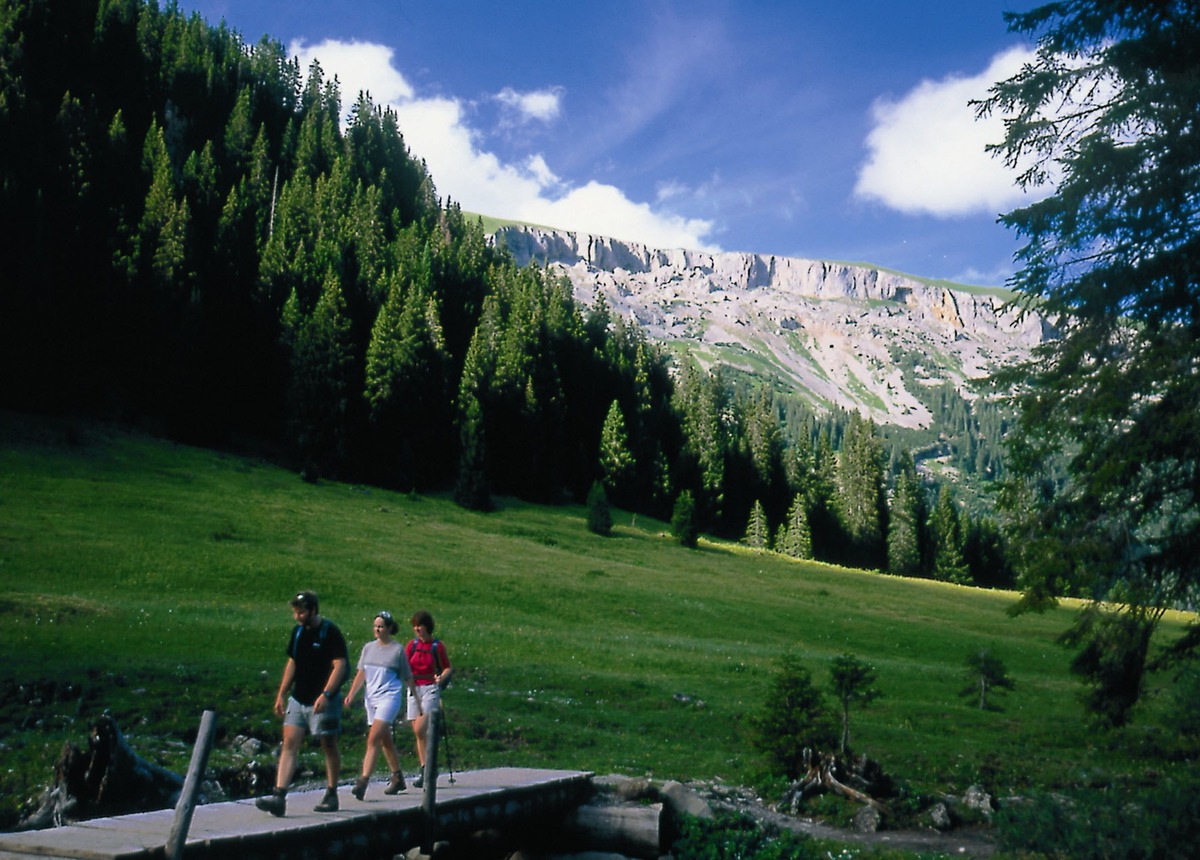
(378, 826)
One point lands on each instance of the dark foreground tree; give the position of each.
(1106, 114)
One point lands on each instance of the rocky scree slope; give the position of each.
(841, 334)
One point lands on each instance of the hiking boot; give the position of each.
(396, 784)
(360, 787)
(419, 782)
(329, 803)
(274, 803)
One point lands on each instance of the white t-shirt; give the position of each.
(385, 669)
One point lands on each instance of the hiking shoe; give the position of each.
(419, 782)
(360, 787)
(274, 803)
(329, 803)
(396, 784)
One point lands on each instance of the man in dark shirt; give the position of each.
(309, 700)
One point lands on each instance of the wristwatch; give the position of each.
(327, 694)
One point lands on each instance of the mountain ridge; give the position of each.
(842, 334)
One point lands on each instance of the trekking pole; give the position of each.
(445, 727)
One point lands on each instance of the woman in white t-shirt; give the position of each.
(384, 671)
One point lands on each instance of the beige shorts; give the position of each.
(431, 700)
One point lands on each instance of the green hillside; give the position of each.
(155, 577)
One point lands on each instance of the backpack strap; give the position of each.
(411, 649)
(300, 629)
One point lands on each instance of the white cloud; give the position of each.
(438, 131)
(926, 150)
(541, 105)
(359, 67)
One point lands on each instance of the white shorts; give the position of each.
(383, 708)
(431, 700)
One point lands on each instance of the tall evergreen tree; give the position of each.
(758, 530)
(860, 500)
(945, 536)
(1108, 106)
(320, 383)
(616, 461)
(795, 538)
(906, 519)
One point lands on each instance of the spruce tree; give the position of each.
(616, 461)
(905, 522)
(683, 520)
(758, 531)
(599, 515)
(946, 538)
(794, 538)
(853, 682)
(1104, 117)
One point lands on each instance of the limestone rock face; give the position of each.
(837, 331)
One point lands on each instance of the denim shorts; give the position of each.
(328, 722)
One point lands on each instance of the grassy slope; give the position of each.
(157, 577)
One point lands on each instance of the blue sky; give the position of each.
(810, 129)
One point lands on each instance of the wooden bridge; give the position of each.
(378, 826)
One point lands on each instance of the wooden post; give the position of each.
(430, 774)
(191, 786)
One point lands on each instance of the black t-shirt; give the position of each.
(314, 652)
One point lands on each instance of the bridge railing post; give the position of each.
(186, 804)
(429, 799)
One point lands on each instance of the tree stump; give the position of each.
(858, 778)
(109, 778)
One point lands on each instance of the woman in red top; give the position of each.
(431, 672)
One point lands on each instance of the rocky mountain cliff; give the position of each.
(842, 334)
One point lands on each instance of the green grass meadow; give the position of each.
(152, 580)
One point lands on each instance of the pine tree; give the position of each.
(1107, 107)
(853, 681)
(794, 718)
(683, 520)
(471, 489)
(616, 461)
(860, 500)
(599, 515)
(758, 532)
(794, 539)
(985, 673)
(320, 378)
(905, 522)
(946, 539)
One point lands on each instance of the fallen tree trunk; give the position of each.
(109, 778)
